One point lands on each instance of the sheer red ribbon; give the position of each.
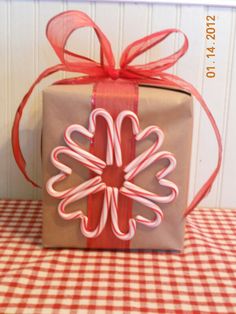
(58, 31)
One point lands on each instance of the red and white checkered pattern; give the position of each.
(35, 280)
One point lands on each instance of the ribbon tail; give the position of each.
(15, 139)
(205, 189)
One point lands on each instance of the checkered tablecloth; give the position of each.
(35, 280)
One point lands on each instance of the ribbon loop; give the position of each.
(140, 46)
(58, 31)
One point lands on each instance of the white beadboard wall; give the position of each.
(24, 52)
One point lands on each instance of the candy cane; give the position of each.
(146, 202)
(83, 131)
(139, 165)
(65, 194)
(80, 215)
(86, 158)
(153, 149)
(67, 151)
(153, 196)
(117, 132)
(110, 132)
(113, 192)
(146, 161)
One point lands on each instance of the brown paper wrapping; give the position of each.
(171, 110)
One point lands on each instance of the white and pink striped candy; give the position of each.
(111, 194)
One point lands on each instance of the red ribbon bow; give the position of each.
(58, 31)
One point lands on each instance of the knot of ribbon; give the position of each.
(58, 32)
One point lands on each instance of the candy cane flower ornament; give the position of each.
(113, 155)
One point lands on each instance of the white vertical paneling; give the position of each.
(214, 90)
(227, 195)
(110, 25)
(227, 100)
(25, 52)
(135, 23)
(44, 57)
(36, 134)
(22, 74)
(159, 22)
(81, 40)
(191, 68)
(4, 99)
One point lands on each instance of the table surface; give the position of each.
(202, 279)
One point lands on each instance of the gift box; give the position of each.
(171, 111)
(116, 146)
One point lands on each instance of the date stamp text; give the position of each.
(210, 46)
